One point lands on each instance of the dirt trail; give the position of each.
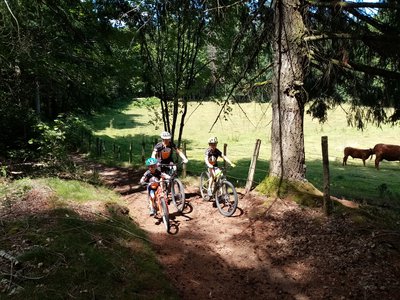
(205, 255)
(286, 253)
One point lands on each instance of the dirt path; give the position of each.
(285, 253)
(208, 256)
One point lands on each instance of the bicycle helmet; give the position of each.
(213, 140)
(165, 135)
(151, 161)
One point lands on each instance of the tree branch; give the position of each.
(371, 21)
(351, 66)
(350, 5)
(393, 38)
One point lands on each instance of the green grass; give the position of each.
(73, 190)
(62, 254)
(240, 128)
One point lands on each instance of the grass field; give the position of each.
(242, 125)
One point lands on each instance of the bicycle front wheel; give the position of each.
(204, 179)
(226, 199)
(178, 194)
(164, 213)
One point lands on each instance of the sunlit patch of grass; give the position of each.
(72, 190)
(239, 129)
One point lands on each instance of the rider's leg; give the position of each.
(151, 196)
(210, 182)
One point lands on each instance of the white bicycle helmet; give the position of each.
(165, 135)
(213, 140)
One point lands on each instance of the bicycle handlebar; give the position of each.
(170, 165)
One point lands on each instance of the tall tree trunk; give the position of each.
(287, 137)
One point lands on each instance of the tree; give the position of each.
(288, 98)
(57, 57)
(171, 36)
(327, 53)
(195, 50)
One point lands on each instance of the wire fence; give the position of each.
(135, 151)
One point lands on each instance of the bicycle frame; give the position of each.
(174, 187)
(223, 192)
(160, 203)
(172, 169)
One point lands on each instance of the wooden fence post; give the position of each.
(252, 168)
(225, 146)
(184, 165)
(90, 142)
(130, 152)
(325, 162)
(97, 146)
(103, 147)
(143, 158)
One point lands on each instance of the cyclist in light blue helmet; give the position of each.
(151, 178)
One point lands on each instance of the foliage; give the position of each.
(353, 59)
(57, 57)
(190, 50)
(54, 141)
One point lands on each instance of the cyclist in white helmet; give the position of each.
(211, 156)
(163, 150)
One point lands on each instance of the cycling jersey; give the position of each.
(148, 175)
(164, 153)
(211, 155)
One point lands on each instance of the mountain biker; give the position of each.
(163, 151)
(152, 176)
(211, 156)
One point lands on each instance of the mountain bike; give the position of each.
(160, 202)
(174, 186)
(223, 192)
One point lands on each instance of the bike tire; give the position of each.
(178, 194)
(164, 213)
(204, 178)
(226, 198)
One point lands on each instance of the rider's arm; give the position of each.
(154, 153)
(182, 155)
(227, 160)
(165, 176)
(143, 180)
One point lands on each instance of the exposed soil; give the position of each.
(280, 252)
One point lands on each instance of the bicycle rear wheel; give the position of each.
(204, 179)
(226, 199)
(164, 213)
(178, 194)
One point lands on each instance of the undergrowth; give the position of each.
(60, 252)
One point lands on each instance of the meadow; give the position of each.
(241, 125)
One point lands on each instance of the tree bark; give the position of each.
(287, 137)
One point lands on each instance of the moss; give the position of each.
(302, 192)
